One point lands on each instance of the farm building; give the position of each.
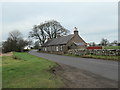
(64, 43)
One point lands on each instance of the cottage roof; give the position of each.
(79, 44)
(59, 40)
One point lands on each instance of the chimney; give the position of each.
(75, 31)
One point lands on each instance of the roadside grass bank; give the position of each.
(113, 58)
(111, 47)
(23, 70)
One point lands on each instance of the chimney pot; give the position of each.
(75, 31)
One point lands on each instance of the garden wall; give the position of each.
(104, 52)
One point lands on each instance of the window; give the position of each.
(61, 48)
(45, 49)
(56, 48)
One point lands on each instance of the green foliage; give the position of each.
(111, 47)
(115, 58)
(28, 71)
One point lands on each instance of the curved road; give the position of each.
(105, 68)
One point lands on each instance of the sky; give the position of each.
(94, 20)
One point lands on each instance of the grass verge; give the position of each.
(113, 58)
(111, 47)
(23, 70)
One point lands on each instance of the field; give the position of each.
(23, 70)
(111, 47)
(115, 58)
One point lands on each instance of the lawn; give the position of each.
(23, 70)
(111, 47)
(113, 58)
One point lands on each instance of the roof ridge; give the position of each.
(60, 40)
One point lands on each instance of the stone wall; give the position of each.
(104, 52)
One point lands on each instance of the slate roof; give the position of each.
(78, 43)
(59, 40)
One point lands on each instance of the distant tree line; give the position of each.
(43, 32)
(14, 42)
(105, 42)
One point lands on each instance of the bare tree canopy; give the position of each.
(49, 29)
(92, 44)
(104, 42)
(14, 42)
(15, 34)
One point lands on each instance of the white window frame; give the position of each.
(57, 48)
(61, 48)
(45, 48)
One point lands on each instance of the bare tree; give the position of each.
(49, 29)
(14, 35)
(115, 42)
(36, 45)
(38, 33)
(14, 42)
(53, 28)
(92, 44)
(104, 42)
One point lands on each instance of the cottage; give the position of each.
(64, 43)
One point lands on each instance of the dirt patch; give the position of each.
(76, 78)
(6, 54)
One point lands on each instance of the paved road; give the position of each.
(105, 68)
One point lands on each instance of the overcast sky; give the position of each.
(94, 20)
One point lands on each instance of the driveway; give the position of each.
(104, 68)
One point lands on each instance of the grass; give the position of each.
(111, 47)
(23, 70)
(114, 58)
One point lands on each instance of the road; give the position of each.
(104, 68)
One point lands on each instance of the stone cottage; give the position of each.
(64, 43)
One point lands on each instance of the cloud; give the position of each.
(93, 20)
(25, 26)
(0, 21)
(59, 0)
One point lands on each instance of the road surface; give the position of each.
(104, 68)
